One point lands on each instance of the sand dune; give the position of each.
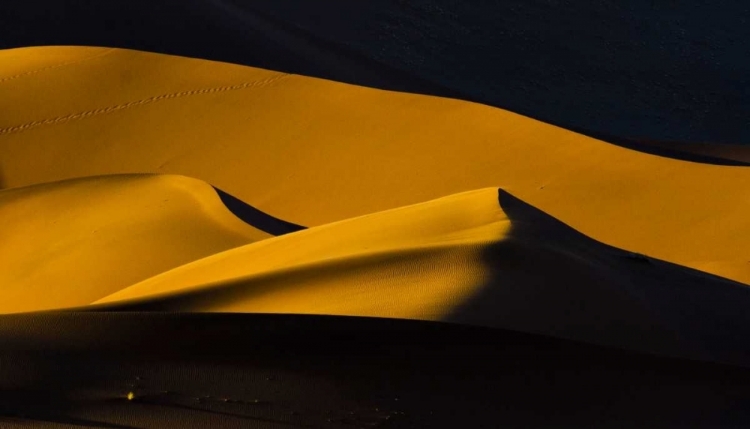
(642, 70)
(70, 243)
(411, 262)
(465, 259)
(312, 152)
(483, 258)
(460, 265)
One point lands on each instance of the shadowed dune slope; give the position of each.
(739, 154)
(466, 259)
(284, 371)
(257, 218)
(644, 69)
(311, 151)
(70, 243)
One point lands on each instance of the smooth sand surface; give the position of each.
(480, 258)
(72, 242)
(312, 152)
(413, 262)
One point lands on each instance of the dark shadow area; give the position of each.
(704, 153)
(735, 154)
(255, 217)
(668, 71)
(340, 372)
(547, 278)
(24, 408)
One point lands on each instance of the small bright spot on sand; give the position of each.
(131, 396)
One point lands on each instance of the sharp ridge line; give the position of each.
(81, 115)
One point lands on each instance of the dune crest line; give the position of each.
(56, 66)
(651, 199)
(171, 220)
(104, 110)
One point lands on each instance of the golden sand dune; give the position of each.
(312, 151)
(70, 243)
(148, 273)
(412, 262)
(480, 258)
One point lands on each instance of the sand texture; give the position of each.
(192, 243)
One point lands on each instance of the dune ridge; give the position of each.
(192, 243)
(739, 154)
(348, 151)
(395, 255)
(131, 104)
(64, 56)
(69, 243)
(667, 71)
(481, 258)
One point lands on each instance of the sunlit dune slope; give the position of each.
(409, 262)
(476, 258)
(311, 151)
(70, 243)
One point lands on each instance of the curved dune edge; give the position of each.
(729, 155)
(739, 154)
(723, 154)
(475, 258)
(313, 152)
(69, 243)
(414, 261)
(255, 217)
(668, 71)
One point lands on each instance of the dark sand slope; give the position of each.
(72, 242)
(669, 71)
(710, 152)
(255, 217)
(286, 371)
(534, 275)
(733, 155)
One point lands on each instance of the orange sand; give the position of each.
(312, 151)
(72, 242)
